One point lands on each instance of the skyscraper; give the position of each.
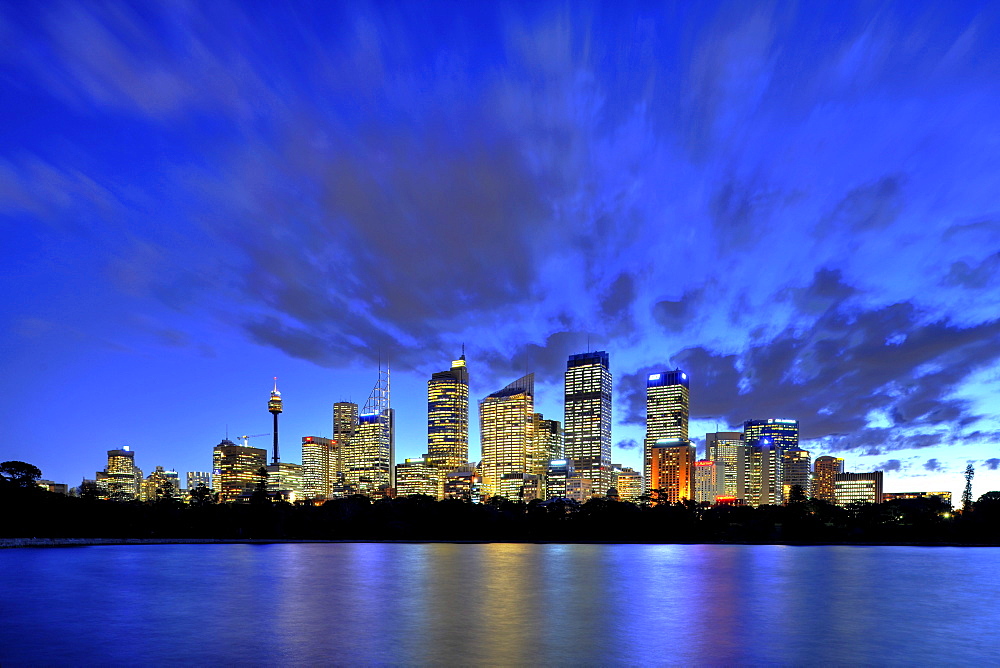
(319, 462)
(274, 408)
(825, 470)
(122, 478)
(795, 472)
(667, 412)
(709, 481)
(236, 469)
(672, 469)
(369, 467)
(448, 417)
(728, 448)
(766, 441)
(505, 429)
(587, 424)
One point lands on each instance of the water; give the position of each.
(498, 604)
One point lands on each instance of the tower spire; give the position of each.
(274, 407)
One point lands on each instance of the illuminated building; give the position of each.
(54, 487)
(796, 463)
(274, 408)
(345, 422)
(728, 448)
(464, 485)
(628, 482)
(369, 462)
(196, 478)
(825, 470)
(284, 482)
(547, 444)
(506, 434)
(417, 476)
(559, 472)
(709, 481)
(161, 484)
(579, 489)
(122, 478)
(851, 487)
(897, 496)
(320, 458)
(672, 469)
(236, 469)
(521, 486)
(587, 424)
(667, 411)
(766, 441)
(448, 417)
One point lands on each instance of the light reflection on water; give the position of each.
(500, 604)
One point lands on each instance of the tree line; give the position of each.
(30, 511)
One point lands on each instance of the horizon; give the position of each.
(796, 206)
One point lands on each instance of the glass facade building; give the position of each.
(728, 448)
(668, 409)
(587, 423)
(448, 417)
(766, 442)
(236, 469)
(506, 434)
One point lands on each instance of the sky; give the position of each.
(795, 203)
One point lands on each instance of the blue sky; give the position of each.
(796, 204)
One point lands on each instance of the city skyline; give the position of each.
(795, 206)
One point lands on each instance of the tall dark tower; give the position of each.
(274, 407)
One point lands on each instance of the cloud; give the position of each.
(933, 465)
(890, 465)
(992, 464)
(627, 444)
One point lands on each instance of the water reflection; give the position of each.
(437, 604)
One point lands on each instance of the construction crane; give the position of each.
(247, 437)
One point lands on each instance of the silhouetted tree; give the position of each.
(967, 493)
(19, 474)
(797, 494)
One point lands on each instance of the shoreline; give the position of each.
(10, 543)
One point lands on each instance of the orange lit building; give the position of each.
(672, 469)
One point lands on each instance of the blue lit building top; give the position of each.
(368, 418)
(588, 359)
(675, 377)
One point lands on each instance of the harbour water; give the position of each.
(499, 604)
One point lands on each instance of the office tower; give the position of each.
(505, 432)
(463, 485)
(766, 441)
(417, 476)
(587, 424)
(672, 469)
(709, 481)
(851, 487)
(274, 408)
(196, 478)
(795, 468)
(345, 422)
(667, 411)
(319, 466)
(579, 488)
(284, 482)
(236, 470)
(559, 472)
(728, 448)
(122, 478)
(825, 470)
(549, 438)
(628, 482)
(448, 417)
(161, 484)
(368, 467)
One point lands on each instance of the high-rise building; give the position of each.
(549, 440)
(369, 463)
(587, 424)
(668, 407)
(122, 478)
(559, 472)
(448, 417)
(672, 469)
(728, 448)
(709, 481)
(274, 408)
(345, 422)
(320, 459)
(196, 478)
(851, 487)
(505, 431)
(628, 482)
(161, 484)
(825, 470)
(417, 476)
(796, 472)
(236, 469)
(284, 482)
(766, 441)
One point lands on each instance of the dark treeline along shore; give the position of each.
(29, 511)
